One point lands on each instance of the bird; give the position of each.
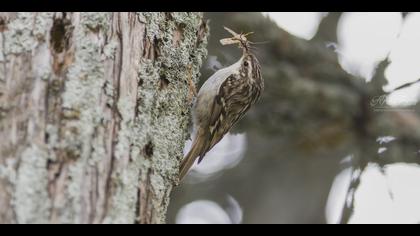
(223, 100)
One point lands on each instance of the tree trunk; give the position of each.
(94, 113)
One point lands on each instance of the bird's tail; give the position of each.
(197, 149)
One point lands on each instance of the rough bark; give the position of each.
(94, 112)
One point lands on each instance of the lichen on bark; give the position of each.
(31, 198)
(23, 163)
(163, 107)
(103, 133)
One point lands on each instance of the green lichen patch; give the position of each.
(155, 135)
(85, 80)
(81, 113)
(166, 110)
(31, 201)
(8, 170)
(96, 21)
(41, 63)
(23, 32)
(110, 49)
(177, 65)
(125, 199)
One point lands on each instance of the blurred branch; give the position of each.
(348, 207)
(309, 98)
(327, 29)
(379, 80)
(312, 115)
(359, 162)
(404, 86)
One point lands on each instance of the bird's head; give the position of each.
(239, 39)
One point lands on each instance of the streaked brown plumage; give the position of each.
(223, 100)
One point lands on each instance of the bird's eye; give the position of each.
(245, 63)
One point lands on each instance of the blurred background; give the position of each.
(335, 137)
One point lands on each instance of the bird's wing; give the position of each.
(228, 107)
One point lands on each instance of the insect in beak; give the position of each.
(237, 38)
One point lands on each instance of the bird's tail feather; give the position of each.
(197, 149)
